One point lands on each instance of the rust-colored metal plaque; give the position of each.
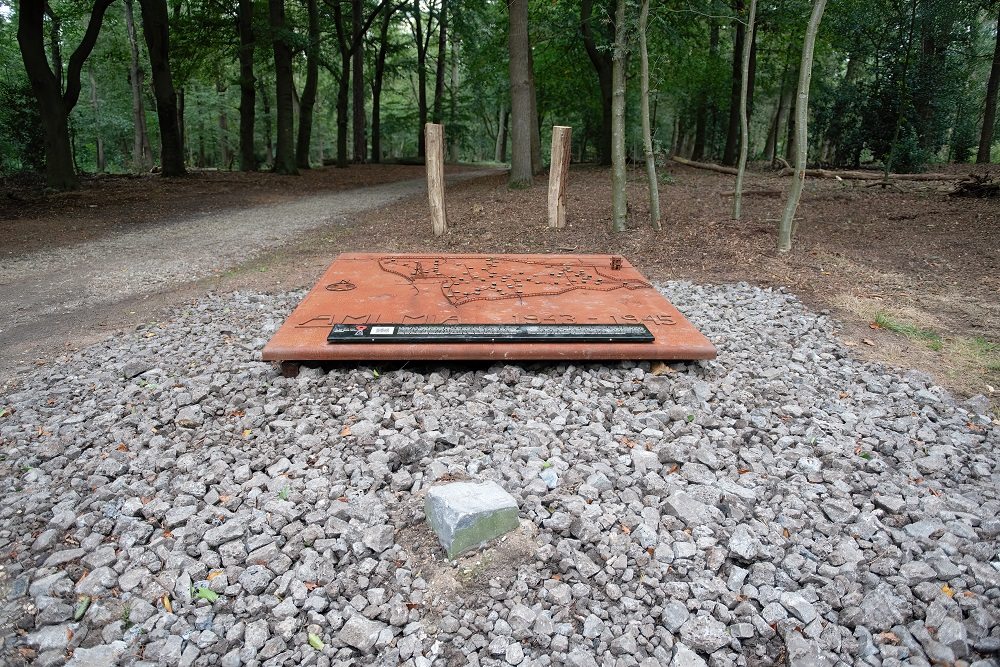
(374, 291)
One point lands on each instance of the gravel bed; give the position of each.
(786, 503)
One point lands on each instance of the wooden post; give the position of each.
(434, 159)
(558, 173)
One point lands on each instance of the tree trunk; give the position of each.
(54, 104)
(55, 44)
(784, 93)
(801, 132)
(307, 102)
(225, 156)
(421, 77)
(521, 84)
(701, 116)
(990, 112)
(383, 44)
(751, 73)
(154, 27)
(744, 122)
(248, 101)
(440, 68)
(790, 130)
(265, 102)
(101, 163)
(903, 92)
(647, 135)
(602, 63)
(284, 158)
(619, 202)
(500, 154)
(732, 133)
(358, 82)
(454, 142)
(142, 157)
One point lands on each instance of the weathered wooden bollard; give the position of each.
(558, 173)
(434, 159)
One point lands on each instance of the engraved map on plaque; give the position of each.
(437, 307)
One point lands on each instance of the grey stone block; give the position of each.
(465, 515)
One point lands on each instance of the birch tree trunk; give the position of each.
(619, 203)
(801, 130)
(647, 134)
(744, 122)
(142, 158)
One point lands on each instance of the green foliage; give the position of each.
(22, 140)
(880, 89)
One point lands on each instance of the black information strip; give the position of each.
(489, 333)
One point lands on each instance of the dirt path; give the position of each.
(62, 296)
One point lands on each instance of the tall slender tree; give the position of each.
(142, 154)
(733, 129)
(801, 127)
(378, 78)
(619, 202)
(744, 122)
(156, 31)
(358, 82)
(248, 98)
(442, 48)
(307, 101)
(601, 60)
(990, 110)
(647, 133)
(522, 99)
(284, 156)
(54, 103)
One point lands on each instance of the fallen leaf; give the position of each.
(660, 368)
(167, 604)
(889, 637)
(786, 533)
(204, 593)
(948, 590)
(344, 432)
(626, 529)
(868, 341)
(213, 574)
(247, 432)
(316, 642)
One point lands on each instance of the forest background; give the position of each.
(285, 84)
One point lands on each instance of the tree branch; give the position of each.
(79, 56)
